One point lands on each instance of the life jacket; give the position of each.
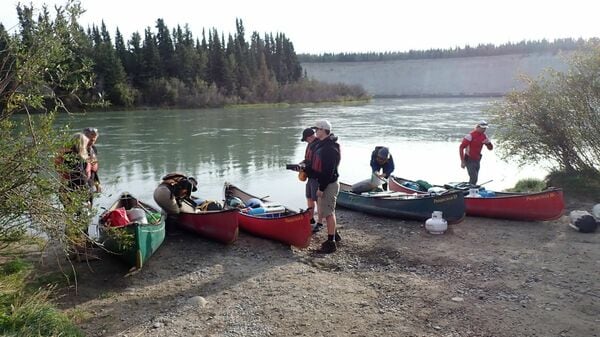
(177, 181)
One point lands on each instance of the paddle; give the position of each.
(464, 185)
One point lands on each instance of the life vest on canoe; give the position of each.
(177, 181)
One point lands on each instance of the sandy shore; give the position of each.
(483, 277)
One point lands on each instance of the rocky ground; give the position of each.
(483, 277)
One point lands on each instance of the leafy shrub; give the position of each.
(528, 185)
(556, 118)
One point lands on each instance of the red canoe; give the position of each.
(290, 227)
(219, 225)
(539, 206)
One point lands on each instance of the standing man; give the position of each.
(381, 160)
(324, 163)
(470, 150)
(308, 135)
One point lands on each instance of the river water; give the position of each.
(250, 146)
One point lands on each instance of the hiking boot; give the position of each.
(317, 227)
(338, 238)
(327, 247)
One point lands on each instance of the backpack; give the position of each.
(210, 205)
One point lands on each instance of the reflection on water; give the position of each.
(250, 147)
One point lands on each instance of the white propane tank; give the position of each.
(436, 224)
(474, 193)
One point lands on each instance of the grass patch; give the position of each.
(77, 315)
(26, 310)
(528, 185)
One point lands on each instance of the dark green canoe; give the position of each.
(137, 241)
(404, 206)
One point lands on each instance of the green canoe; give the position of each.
(404, 206)
(136, 241)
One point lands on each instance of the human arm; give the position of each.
(388, 167)
(374, 165)
(461, 152)
(488, 143)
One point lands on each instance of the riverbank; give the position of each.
(483, 277)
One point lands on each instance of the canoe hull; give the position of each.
(221, 226)
(417, 208)
(543, 206)
(146, 238)
(292, 228)
(540, 206)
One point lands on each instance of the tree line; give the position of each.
(166, 67)
(489, 49)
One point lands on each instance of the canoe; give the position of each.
(404, 206)
(538, 206)
(219, 225)
(142, 239)
(288, 226)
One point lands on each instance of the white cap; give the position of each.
(324, 124)
(483, 125)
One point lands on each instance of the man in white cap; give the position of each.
(470, 150)
(324, 163)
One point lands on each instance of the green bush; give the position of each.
(528, 185)
(556, 118)
(583, 184)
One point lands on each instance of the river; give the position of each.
(250, 146)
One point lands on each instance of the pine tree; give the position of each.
(151, 61)
(165, 48)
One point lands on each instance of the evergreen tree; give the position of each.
(165, 48)
(109, 71)
(134, 68)
(151, 61)
(216, 60)
(242, 57)
(122, 51)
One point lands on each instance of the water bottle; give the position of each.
(93, 231)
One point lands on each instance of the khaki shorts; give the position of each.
(326, 203)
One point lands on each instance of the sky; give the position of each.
(347, 26)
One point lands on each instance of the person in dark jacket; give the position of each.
(381, 160)
(324, 164)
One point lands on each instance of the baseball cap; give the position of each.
(307, 133)
(194, 183)
(483, 125)
(323, 124)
